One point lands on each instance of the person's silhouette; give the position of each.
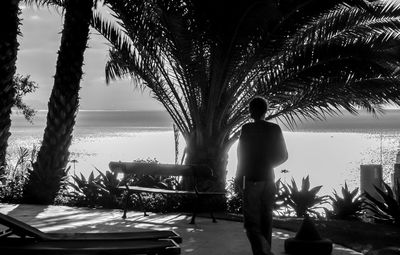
(261, 148)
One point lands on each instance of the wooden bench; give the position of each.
(192, 171)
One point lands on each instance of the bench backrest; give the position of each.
(160, 169)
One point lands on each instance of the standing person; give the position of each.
(261, 148)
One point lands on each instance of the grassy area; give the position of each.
(359, 236)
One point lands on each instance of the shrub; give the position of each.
(234, 199)
(12, 190)
(102, 191)
(15, 176)
(304, 201)
(281, 199)
(347, 207)
(152, 181)
(388, 209)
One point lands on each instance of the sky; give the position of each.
(39, 43)
(37, 56)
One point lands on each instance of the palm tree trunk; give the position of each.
(207, 152)
(213, 154)
(49, 170)
(8, 56)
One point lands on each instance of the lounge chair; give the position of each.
(21, 238)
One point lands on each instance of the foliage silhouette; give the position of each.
(348, 207)
(9, 14)
(304, 201)
(15, 175)
(387, 209)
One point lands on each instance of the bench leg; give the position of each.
(193, 220)
(142, 205)
(212, 216)
(126, 205)
(195, 208)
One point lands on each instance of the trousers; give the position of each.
(258, 199)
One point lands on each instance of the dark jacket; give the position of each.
(261, 148)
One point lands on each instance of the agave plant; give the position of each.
(386, 209)
(86, 191)
(101, 190)
(108, 180)
(350, 206)
(305, 201)
(108, 184)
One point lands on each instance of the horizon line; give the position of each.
(101, 110)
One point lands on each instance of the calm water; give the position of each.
(330, 152)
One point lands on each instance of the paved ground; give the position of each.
(224, 237)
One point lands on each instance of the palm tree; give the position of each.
(204, 62)
(49, 169)
(9, 12)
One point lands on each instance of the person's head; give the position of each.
(258, 107)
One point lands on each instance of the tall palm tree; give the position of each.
(49, 169)
(9, 12)
(205, 62)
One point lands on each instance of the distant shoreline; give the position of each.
(345, 123)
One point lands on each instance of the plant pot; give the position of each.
(308, 241)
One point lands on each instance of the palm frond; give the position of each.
(44, 3)
(354, 61)
(112, 31)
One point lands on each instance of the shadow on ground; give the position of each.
(205, 237)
